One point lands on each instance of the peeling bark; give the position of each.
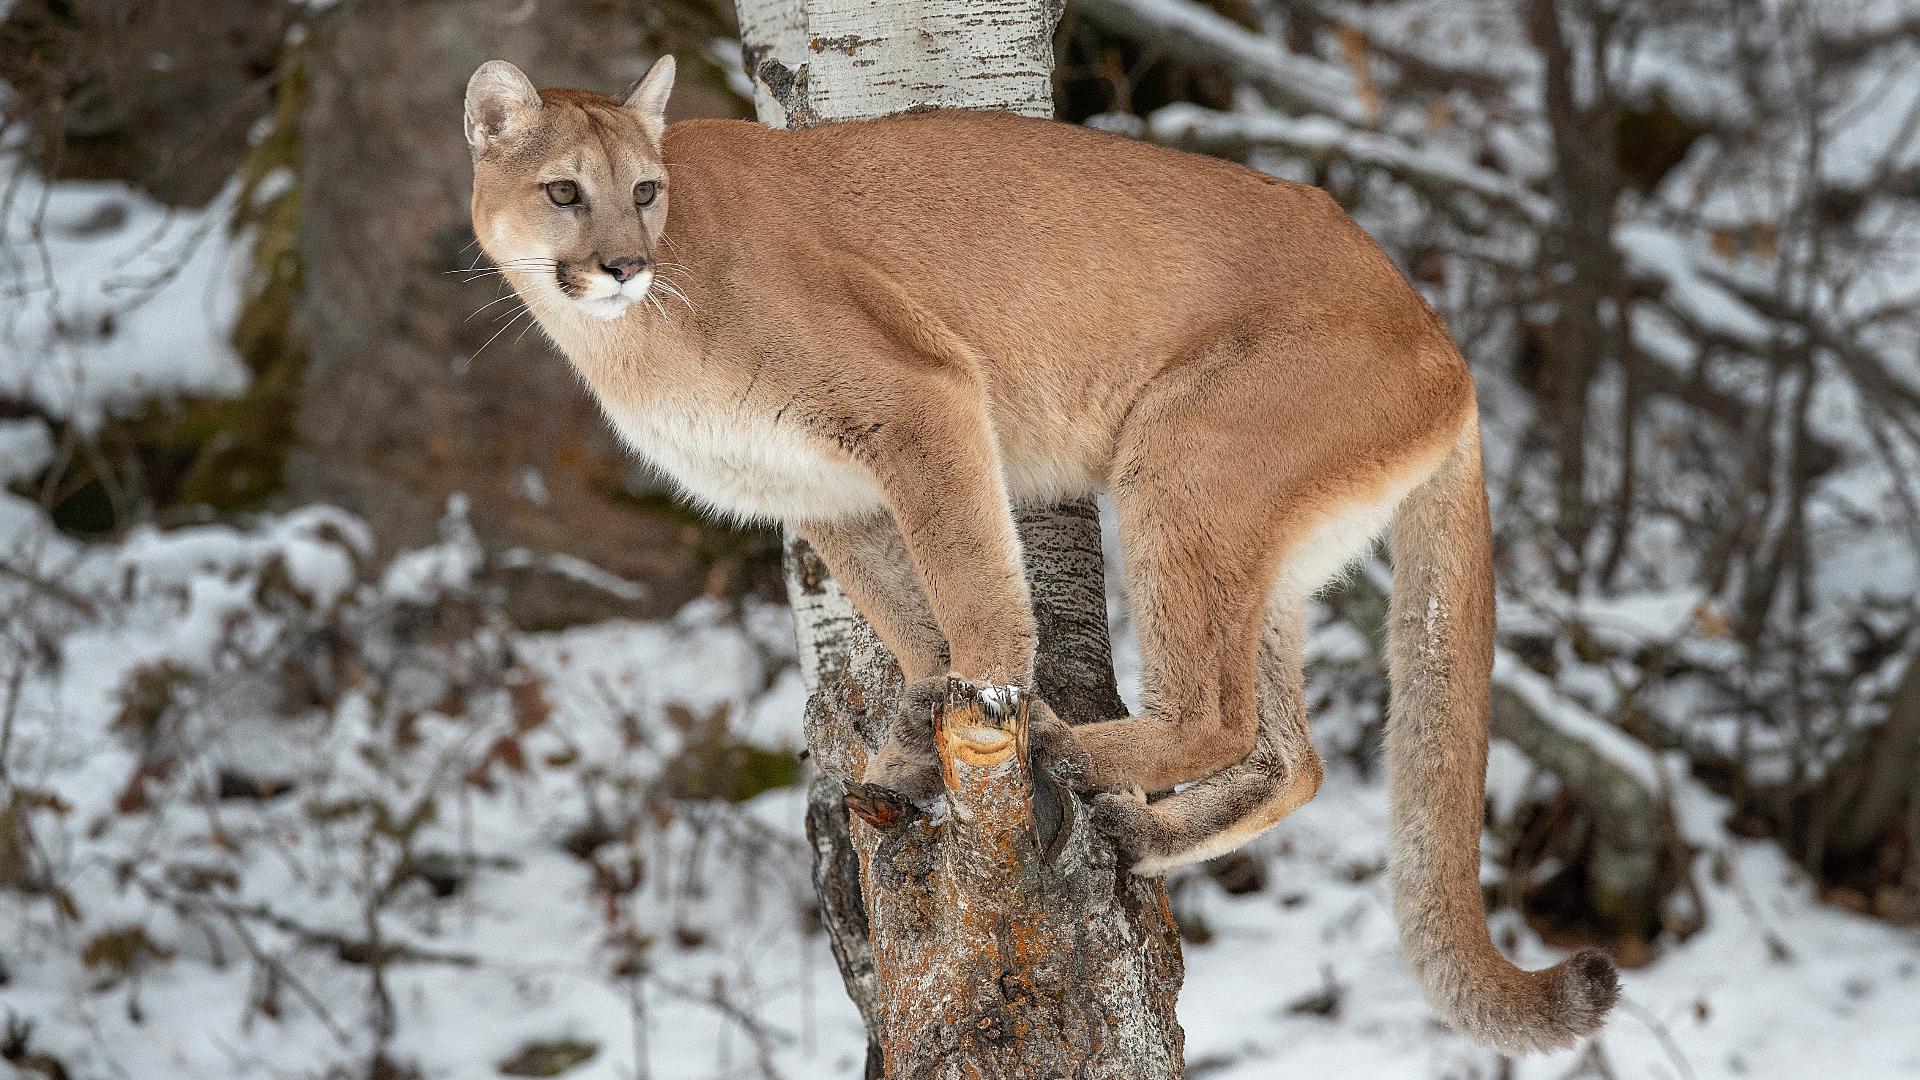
(995, 935)
(867, 59)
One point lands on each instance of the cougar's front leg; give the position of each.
(870, 561)
(941, 477)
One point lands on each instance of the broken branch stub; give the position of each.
(981, 736)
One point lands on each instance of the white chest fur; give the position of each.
(744, 466)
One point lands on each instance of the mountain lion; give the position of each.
(886, 333)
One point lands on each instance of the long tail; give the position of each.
(1440, 654)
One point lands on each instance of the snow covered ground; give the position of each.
(111, 298)
(1776, 986)
(547, 901)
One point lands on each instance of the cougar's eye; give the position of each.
(563, 192)
(645, 192)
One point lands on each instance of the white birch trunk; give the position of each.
(967, 953)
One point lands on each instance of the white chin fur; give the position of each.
(606, 307)
(615, 304)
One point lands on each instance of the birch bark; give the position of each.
(967, 949)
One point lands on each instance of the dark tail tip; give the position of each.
(1591, 974)
(1528, 1012)
(1587, 985)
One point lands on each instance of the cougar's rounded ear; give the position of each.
(500, 101)
(648, 98)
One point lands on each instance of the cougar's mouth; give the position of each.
(599, 294)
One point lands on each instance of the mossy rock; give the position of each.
(241, 445)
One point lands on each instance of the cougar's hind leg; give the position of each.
(1224, 811)
(1194, 592)
(1198, 483)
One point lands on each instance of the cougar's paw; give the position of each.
(913, 718)
(911, 772)
(882, 808)
(1051, 748)
(1123, 817)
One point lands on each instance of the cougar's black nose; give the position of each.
(624, 269)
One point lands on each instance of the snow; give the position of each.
(733, 976)
(1659, 253)
(421, 575)
(1558, 709)
(1179, 27)
(1321, 136)
(1724, 1004)
(527, 947)
(112, 299)
(25, 448)
(1624, 620)
(727, 916)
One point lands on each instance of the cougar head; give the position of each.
(568, 186)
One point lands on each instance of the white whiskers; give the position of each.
(674, 291)
(476, 271)
(528, 310)
(510, 295)
(664, 279)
